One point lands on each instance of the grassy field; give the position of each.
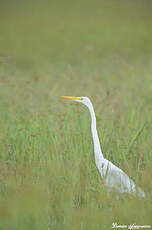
(100, 49)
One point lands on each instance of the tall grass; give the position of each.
(102, 50)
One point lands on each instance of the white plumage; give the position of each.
(114, 177)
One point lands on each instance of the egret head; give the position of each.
(84, 100)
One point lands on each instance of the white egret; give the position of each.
(113, 177)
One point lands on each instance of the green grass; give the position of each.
(100, 49)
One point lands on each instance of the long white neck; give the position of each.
(97, 149)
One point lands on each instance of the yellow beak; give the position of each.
(72, 98)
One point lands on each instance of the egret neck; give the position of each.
(97, 149)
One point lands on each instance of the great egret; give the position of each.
(113, 177)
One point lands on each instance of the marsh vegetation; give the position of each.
(99, 49)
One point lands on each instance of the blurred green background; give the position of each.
(100, 49)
